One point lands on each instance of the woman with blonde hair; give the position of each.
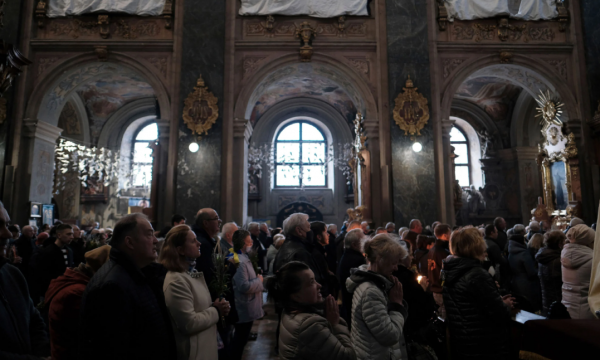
(378, 308)
(478, 317)
(194, 316)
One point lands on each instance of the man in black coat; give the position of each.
(337, 248)
(437, 254)
(77, 246)
(25, 248)
(258, 245)
(352, 258)
(22, 330)
(123, 310)
(265, 236)
(206, 228)
(496, 257)
(502, 239)
(298, 246)
(415, 229)
(321, 240)
(52, 261)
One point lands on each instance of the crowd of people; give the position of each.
(194, 292)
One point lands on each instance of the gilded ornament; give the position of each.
(306, 33)
(549, 110)
(411, 112)
(200, 109)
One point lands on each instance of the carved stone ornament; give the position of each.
(411, 112)
(200, 109)
(442, 16)
(11, 64)
(506, 56)
(306, 33)
(40, 12)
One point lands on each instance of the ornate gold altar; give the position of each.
(557, 159)
(361, 169)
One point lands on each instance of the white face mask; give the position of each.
(248, 249)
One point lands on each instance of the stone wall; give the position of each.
(199, 174)
(413, 174)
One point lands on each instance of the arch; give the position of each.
(337, 71)
(543, 72)
(48, 97)
(120, 121)
(126, 146)
(82, 117)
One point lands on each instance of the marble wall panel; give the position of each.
(199, 174)
(413, 174)
(591, 30)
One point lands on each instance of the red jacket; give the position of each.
(64, 300)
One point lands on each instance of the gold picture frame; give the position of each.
(554, 167)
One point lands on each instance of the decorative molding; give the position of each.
(127, 30)
(510, 32)
(73, 28)
(101, 52)
(541, 34)
(251, 63)
(160, 63)
(560, 66)
(306, 33)
(506, 56)
(104, 22)
(168, 13)
(450, 65)
(563, 16)
(442, 16)
(46, 63)
(361, 65)
(40, 12)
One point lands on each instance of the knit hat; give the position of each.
(94, 259)
(581, 234)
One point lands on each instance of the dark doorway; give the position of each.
(299, 207)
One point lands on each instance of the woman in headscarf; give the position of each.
(576, 260)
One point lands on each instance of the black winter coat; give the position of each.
(550, 274)
(22, 330)
(525, 281)
(421, 257)
(477, 318)
(436, 255)
(421, 306)
(205, 262)
(124, 315)
(48, 264)
(25, 249)
(297, 249)
(350, 260)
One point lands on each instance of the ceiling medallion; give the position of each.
(411, 112)
(200, 109)
(549, 110)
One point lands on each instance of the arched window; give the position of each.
(141, 164)
(462, 163)
(300, 156)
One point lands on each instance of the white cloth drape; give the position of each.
(58, 8)
(480, 9)
(314, 8)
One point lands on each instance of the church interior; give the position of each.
(174, 106)
(382, 111)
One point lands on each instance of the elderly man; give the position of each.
(206, 228)
(365, 228)
(332, 230)
(339, 243)
(257, 245)
(264, 235)
(502, 239)
(390, 228)
(298, 245)
(352, 258)
(77, 246)
(123, 310)
(534, 228)
(226, 242)
(25, 248)
(22, 328)
(414, 229)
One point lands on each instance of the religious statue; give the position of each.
(487, 141)
(475, 200)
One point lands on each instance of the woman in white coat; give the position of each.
(576, 259)
(378, 308)
(194, 316)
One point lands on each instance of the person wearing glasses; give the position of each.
(207, 227)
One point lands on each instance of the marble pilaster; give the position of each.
(448, 171)
(242, 131)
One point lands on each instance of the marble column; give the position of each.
(165, 190)
(375, 206)
(448, 171)
(242, 131)
(35, 180)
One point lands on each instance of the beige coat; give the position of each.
(193, 318)
(576, 263)
(311, 337)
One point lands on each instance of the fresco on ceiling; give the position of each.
(105, 96)
(306, 80)
(495, 96)
(314, 87)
